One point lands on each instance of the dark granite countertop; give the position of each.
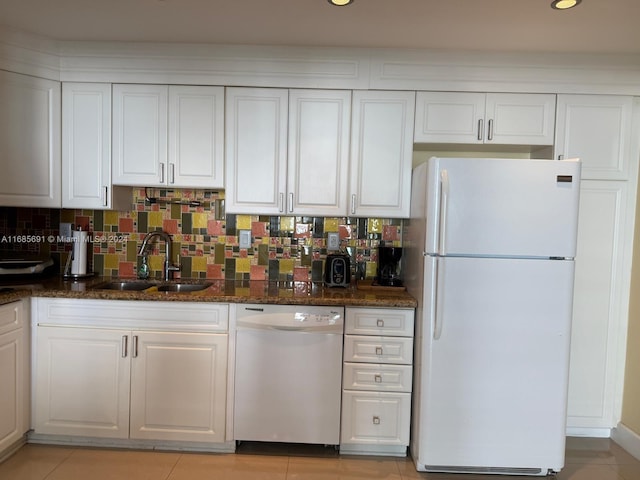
(288, 293)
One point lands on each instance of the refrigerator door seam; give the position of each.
(444, 203)
(438, 317)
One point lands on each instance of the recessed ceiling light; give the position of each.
(564, 4)
(340, 3)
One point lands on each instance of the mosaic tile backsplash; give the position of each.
(205, 241)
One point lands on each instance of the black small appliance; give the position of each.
(337, 270)
(389, 272)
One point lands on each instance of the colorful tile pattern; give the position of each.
(205, 243)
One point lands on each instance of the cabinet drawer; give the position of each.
(375, 418)
(139, 315)
(380, 321)
(379, 377)
(358, 348)
(10, 317)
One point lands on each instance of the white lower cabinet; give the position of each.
(376, 418)
(82, 382)
(162, 381)
(14, 375)
(377, 381)
(178, 386)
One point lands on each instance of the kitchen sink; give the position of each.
(121, 285)
(183, 287)
(140, 285)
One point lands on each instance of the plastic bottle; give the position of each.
(143, 271)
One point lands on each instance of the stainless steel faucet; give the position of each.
(168, 267)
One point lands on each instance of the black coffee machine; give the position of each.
(389, 272)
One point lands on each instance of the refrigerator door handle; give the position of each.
(442, 214)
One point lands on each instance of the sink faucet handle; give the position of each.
(169, 267)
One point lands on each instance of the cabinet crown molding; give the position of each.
(318, 67)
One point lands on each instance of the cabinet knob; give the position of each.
(377, 378)
(376, 420)
(378, 350)
(380, 322)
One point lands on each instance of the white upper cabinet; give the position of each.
(596, 129)
(29, 141)
(140, 134)
(86, 149)
(196, 136)
(381, 153)
(168, 135)
(495, 118)
(287, 151)
(256, 153)
(318, 165)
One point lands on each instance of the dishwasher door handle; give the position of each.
(282, 328)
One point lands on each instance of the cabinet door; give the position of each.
(178, 386)
(381, 153)
(319, 125)
(596, 129)
(449, 117)
(375, 418)
(86, 149)
(29, 141)
(140, 134)
(14, 400)
(600, 304)
(256, 150)
(196, 136)
(520, 119)
(82, 382)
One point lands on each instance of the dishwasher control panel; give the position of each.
(291, 317)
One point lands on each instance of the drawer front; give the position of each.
(364, 349)
(370, 418)
(137, 315)
(11, 316)
(377, 377)
(380, 321)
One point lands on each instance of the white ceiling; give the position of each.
(595, 26)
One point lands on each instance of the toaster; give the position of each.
(337, 270)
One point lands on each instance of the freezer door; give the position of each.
(502, 207)
(494, 364)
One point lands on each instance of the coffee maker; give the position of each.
(389, 272)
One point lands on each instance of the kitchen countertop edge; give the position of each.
(289, 293)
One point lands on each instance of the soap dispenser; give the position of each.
(143, 270)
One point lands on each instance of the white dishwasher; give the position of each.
(288, 373)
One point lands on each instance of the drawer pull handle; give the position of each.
(380, 322)
(376, 420)
(377, 378)
(378, 350)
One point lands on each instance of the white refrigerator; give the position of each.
(489, 252)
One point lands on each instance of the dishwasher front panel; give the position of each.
(288, 385)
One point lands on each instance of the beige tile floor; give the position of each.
(586, 459)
